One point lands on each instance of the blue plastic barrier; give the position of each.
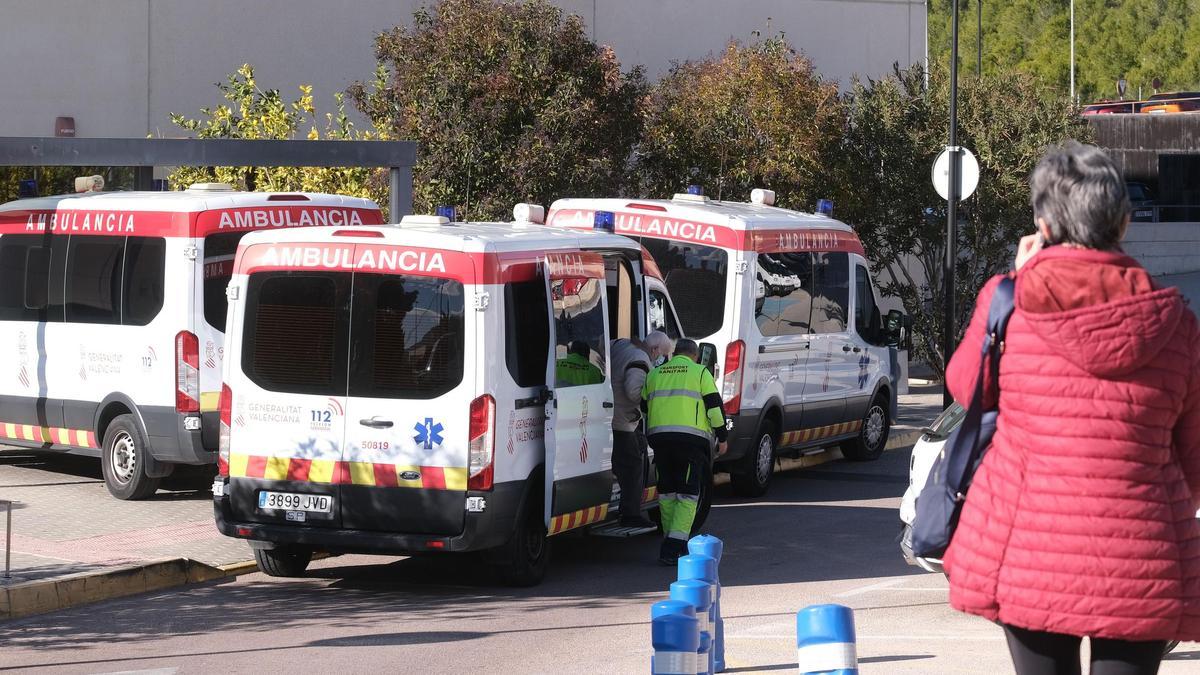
(704, 544)
(698, 593)
(675, 634)
(825, 641)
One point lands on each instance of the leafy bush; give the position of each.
(509, 101)
(255, 113)
(754, 116)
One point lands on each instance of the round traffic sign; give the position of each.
(968, 178)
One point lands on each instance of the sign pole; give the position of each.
(948, 321)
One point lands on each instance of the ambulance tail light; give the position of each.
(481, 444)
(187, 373)
(226, 407)
(731, 385)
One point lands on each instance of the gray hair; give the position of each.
(1080, 194)
(656, 339)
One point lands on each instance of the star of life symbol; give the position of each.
(429, 434)
(583, 432)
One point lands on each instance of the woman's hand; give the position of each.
(1028, 247)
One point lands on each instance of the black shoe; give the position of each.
(639, 522)
(671, 551)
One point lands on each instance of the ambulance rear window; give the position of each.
(695, 275)
(407, 336)
(297, 332)
(219, 250)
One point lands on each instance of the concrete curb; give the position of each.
(897, 441)
(47, 595)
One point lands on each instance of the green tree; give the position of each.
(1137, 39)
(754, 116)
(896, 129)
(251, 112)
(509, 101)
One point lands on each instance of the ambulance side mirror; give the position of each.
(898, 330)
(708, 357)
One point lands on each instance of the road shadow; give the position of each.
(186, 482)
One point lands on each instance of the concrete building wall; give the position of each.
(120, 67)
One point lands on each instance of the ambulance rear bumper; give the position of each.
(487, 529)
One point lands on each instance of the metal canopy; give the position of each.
(146, 153)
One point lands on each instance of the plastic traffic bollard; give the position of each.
(698, 593)
(704, 544)
(825, 640)
(675, 634)
(704, 568)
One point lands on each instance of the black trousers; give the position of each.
(628, 462)
(1041, 653)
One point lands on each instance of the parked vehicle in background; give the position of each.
(788, 298)
(427, 387)
(1110, 108)
(112, 313)
(1172, 102)
(1142, 201)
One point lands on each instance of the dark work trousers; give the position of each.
(682, 461)
(628, 462)
(1037, 652)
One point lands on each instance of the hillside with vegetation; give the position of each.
(1137, 39)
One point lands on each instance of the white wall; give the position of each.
(119, 67)
(1164, 248)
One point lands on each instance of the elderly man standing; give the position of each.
(632, 360)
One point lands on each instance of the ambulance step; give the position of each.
(614, 529)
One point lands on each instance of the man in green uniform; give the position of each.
(683, 416)
(576, 367)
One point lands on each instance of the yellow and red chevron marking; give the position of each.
(570, 521)
(347, 473)
(817, 433)
(649, 494)
(56, 435)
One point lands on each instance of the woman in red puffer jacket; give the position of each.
(1081, 521)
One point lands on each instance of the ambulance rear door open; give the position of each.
(579, 479)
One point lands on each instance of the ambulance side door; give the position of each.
(579, 414)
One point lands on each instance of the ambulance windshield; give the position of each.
(695, 275)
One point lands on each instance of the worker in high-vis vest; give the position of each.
(683, 418)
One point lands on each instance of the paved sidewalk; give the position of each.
(65, 522)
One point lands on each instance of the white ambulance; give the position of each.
(789, 299)
(112, 312)
(432, 386)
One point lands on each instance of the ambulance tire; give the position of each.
(290, 561)
(524, 559)
(123, 460)
(870, 443)
(753, 475)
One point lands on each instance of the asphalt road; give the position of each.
(823, 535)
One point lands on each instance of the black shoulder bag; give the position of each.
(941, 500)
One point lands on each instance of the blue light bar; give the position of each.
(27, 188)
(445, 212)
(605, 221)
(825, 207)
(695, 190)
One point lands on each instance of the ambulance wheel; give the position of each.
(871, 441)
(523, 560)
(283, 561)
(753, 475)
(123, 460)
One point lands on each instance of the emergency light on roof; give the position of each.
(529, 213)
(761, 196)
(825, 207)
(27, 188)
(89, 183)
(210, 187)
(605, 221)
(446, 212)
(695, 190)
(424, 220)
